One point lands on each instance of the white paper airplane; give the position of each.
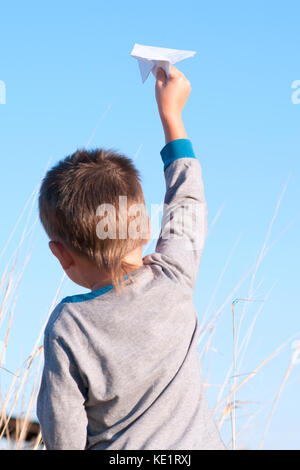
(151, 58)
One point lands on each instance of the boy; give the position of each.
(121, 365)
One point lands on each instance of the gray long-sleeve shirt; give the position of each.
(124, 372)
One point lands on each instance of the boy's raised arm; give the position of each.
(184, 223)
(171, 95)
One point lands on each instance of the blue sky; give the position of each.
(70, 81)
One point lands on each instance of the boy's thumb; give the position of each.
(160, 74)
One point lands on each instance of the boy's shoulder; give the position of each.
(159, 276)
(57, 321)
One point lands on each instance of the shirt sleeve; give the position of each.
(60, 404)
(184, 223)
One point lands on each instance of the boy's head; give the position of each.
(92, 207)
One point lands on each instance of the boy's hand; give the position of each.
(171, 95)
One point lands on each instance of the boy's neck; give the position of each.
(134, 257)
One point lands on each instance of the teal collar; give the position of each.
(89, 295)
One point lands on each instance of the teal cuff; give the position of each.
(179, 148)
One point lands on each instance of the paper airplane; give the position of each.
(151, 58)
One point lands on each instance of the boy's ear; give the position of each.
(62, 254)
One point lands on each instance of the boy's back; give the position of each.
(123, 372)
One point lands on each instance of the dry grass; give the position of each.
(226, 408)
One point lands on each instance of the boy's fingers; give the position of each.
(174, 72)
(162, 78)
